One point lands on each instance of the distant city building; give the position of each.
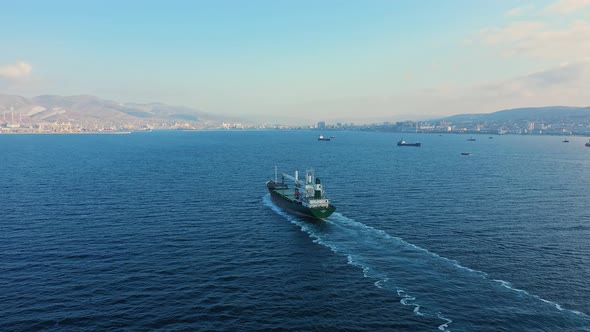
(426, 126)
(321, 125)
(530, 126)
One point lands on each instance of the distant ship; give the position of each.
(404, 143)
(566, 141)
(471, 139)
(588, 144)
(322, 138)
(305, 198)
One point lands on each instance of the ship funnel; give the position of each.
(317, 193)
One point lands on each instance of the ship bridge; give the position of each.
(312, 195)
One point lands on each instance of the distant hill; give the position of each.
(549, 113)
(51, 108)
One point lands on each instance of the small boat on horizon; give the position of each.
(471, 139)
(588, 144)
(404, 143)
(322, 138)
(566, 141)
(465, 153)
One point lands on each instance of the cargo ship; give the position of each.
(404, 143)
(305, 198)
(323, 138)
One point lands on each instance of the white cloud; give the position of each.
(567, 6)
(513, 33)
(546, 37)
(18, 70)
(562, 85)
(565, 84)
(518, 11)
(546, 84)
(541, 40)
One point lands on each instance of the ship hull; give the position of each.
(294, 207)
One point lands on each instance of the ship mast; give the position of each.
(294, 179)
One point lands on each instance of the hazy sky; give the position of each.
(316, 60)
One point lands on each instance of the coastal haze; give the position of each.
(93, 114)
(89, 114)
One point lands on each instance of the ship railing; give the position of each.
(314, 203)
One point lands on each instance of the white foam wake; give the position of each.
(445, 326)
(405, 298)
(508, 285)
(342, 219)
(339, 233)
(406, 301)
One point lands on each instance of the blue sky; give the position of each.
(293, 61)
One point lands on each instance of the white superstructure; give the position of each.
(310, 194)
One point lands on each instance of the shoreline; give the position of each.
(66, 133)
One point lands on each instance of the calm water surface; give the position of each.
(176, 231)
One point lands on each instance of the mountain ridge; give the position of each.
(51, 108)
(544, 113)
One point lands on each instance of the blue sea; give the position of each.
(175, 231)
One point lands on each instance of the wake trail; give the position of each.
(347, 235)
(414, 273)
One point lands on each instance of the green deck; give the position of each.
(287, 193)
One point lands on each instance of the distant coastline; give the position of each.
(93, 115)
(72, 133)
(367, 128)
